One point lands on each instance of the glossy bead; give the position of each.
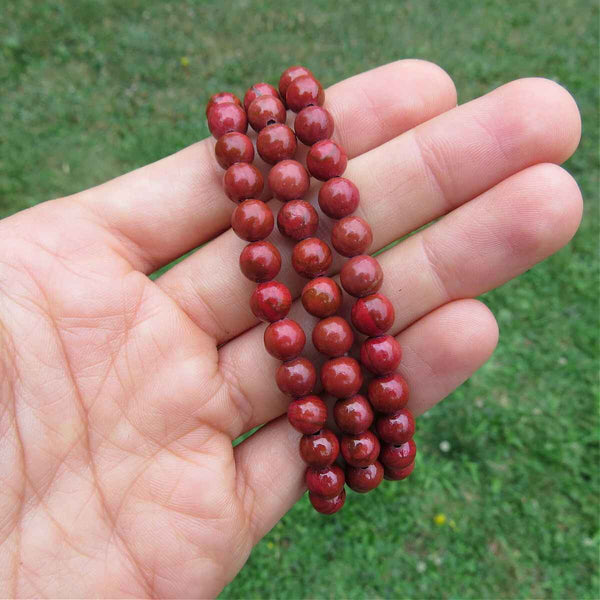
(351, 236)
(222, 98)
(326, 160)
(234, 147)
(327, 506)
(319, 449)
(322, 297)
(304, 91)
(242, 181)
(297, 219)
(311, 257)
(289, 75)
(270, 301)
(308, 414)
(338, 197)
(313, 124)
(397, 428)
(252, 220)
(333, 336)
(388, 394)
(398, 456)
(275, 143)
(288, 180)
(260, 261)
(353, 415)
(373, 315)
(361, 276)
(381, 355)
(360, 450)
(296, 377)
(327, 482)
(226, 117)
(284, 339)
(364, 479)
(265, 110)
(341, 377)
(259, 89)
(398, 474)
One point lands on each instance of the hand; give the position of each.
(121, 396)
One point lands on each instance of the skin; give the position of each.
(120, 396)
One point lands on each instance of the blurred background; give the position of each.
(504, 499)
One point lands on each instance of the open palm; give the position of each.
(120, 396)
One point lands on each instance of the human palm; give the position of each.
(121, 395)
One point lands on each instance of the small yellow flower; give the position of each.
(270, 545)
(439, 519)
(185, 61)
(452, 524)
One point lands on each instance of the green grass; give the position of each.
(92, 89)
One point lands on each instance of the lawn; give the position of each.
(507, 506)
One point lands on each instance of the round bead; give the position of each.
(341, 377)
(252, 220)
(222, 98)
(398, 474)
(260, 261)
(308, 414)
(361, 276)
(389, 393)
(270, 301)
(304, 91)
(364, 479)
(396, 428)
(327, 506)
(265, 110)
(326, 159)
(333, 336)
(296, 377)
(360, 450)
(234, 147)
(327, 482)
(398, 456)
(297, 219)
(311, 257)
(319, 449)
(275, 143)
(288, 180)
(284, 339)
(242, 181)
(322, 297)
(226, 117)
(313, 124)
(373, 315)
(338, 197)
(381, 355)
(289, 75)
(351, 236)
(259, 89)
(353, 415)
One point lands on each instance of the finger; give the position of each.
(172, 206)
(404, 184)
(441, 351)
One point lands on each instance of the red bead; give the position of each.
(327, 506)
(260, 261)
(364, 479)
(265, 110)
(297, 219)
(252, 220)
(341, 377)
(259, 89)
(398, 474)
(311, 257)
(338, 197)
(361, 276)
(326, 160)
(389, 393)
(289, 75)
(327, 482)
(242, 181)
(275, 143)
(333, 336)
(297, 377)
(351, 236)
(373, 315)
(381, 355)
(322, 297)
(396, 428)
(313, 124)
(319, 449)
(284, 339)
(398, 456)
(222, 98)
(304, 91)
(226, 117)
(270, 301)
(234, 147)
(288, 180)
(353, 415)
(308, 414)
(360, 450)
